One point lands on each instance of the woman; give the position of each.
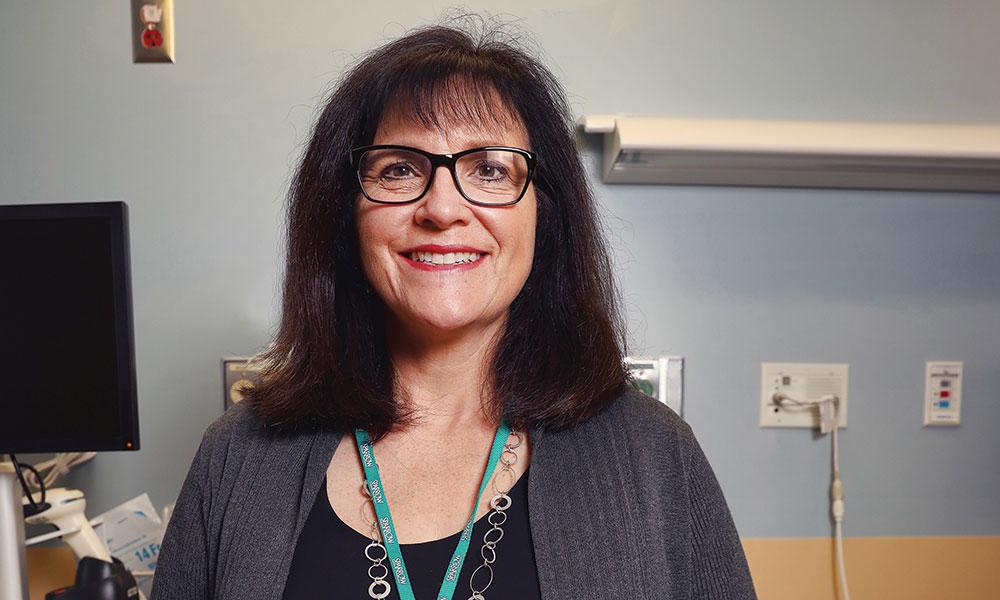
(449, 321)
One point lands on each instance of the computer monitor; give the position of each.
(67, 358)
(67, 353)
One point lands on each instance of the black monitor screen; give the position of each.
(67, 375)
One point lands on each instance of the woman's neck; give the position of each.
(442, 377)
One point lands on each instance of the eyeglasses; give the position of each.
(488, 176)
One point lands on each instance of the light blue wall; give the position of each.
(202, 152)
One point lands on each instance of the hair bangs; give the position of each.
(459, 99)
(444, 89)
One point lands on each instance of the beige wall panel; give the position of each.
(878, 568)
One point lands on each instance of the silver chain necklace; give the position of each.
(502, 483)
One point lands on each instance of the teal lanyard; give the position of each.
(397, 566)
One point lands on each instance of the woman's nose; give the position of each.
(443, 205)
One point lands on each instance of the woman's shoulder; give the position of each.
(642, 419)
(239, 433)
(633, 405)
(634, 427)
(238, 425)
(237, 419)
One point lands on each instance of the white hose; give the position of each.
(841, 571)
(836, 488)
(837, 507)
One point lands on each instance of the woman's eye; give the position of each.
(488, 171)
(399, 171)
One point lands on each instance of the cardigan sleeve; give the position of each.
(719, 566)
(183, 569)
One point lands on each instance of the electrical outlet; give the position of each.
(803, 382)
(152, 31)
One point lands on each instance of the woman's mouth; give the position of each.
(443, 258)
(451, 258)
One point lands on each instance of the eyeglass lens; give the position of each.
(487, 176)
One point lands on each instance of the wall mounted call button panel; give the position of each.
(943, 393)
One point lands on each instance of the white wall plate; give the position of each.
(943, 393)
(803, 382)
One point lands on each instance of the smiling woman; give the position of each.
(371, 191)
(449, 320)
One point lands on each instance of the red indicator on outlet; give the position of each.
(945, 393)
(152, 38)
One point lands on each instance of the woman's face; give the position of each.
(434, 299)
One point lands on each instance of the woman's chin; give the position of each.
(445, 324)
(450, 324)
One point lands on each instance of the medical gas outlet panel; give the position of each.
(943, 393)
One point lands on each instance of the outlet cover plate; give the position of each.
(803, 382)
(162, 32)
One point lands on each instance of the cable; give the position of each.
(837, 510)
(34, 471)
(35, 508)
(59, 465)
(841, 570)
(836, 486)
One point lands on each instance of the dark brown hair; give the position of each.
(560, 359)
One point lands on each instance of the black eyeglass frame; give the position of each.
(446, 160)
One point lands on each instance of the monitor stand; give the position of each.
(13, 564)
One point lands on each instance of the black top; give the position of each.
(330, 563)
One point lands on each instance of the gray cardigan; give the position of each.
(623, 506)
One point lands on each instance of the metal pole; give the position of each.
(13, 563)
